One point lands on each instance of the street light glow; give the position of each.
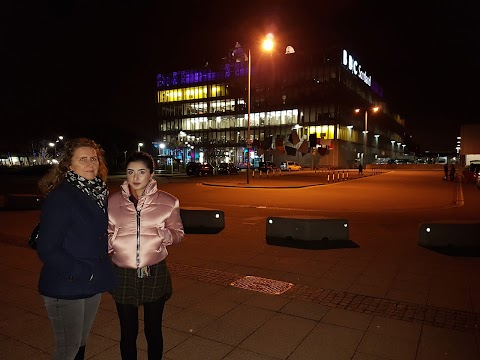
(268, 42)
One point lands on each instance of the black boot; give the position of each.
(81, 353)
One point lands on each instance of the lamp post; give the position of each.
(140, 144)
(54, 145)
(249, 144)
(267, 45)
(375, 109)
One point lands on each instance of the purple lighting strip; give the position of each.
(188, 77)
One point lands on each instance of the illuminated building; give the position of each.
(302, 109)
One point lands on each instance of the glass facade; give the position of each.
(298, 104)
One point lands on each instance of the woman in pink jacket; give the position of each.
(143, 221)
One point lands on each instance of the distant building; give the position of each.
(469, 143)
(302, 109)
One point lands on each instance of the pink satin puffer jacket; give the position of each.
(139, 237)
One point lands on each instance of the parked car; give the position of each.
(198, 169)
(471, 173)
(290, 166)
(227, 168)
(241, 166)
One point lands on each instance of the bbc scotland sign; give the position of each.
(354, 66)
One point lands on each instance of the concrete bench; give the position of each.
(451, 237)
(197, 220)
(308, 232)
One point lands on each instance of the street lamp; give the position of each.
(267, 45)
(249, 145)
(140, 144)
(375, 109)
(54, 145)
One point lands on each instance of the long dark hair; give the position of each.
(57, 174)
(145, 158)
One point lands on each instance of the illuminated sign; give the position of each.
(356, 69)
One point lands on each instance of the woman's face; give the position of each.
(138, 176)
(85, 162)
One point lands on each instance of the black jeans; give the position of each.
(128, 315)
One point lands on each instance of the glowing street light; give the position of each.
(140, 144)
(374, 109)
(54, 146)
(267, 45)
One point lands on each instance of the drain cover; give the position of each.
(267, 286)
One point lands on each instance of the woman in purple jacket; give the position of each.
(143, 221)
(73, 245)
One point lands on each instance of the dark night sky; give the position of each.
(77, 68)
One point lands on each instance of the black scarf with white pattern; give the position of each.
(95, 188)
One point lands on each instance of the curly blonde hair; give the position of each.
(57, 174)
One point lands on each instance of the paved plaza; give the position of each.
(256, 307)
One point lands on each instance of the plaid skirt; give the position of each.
(136, 291)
